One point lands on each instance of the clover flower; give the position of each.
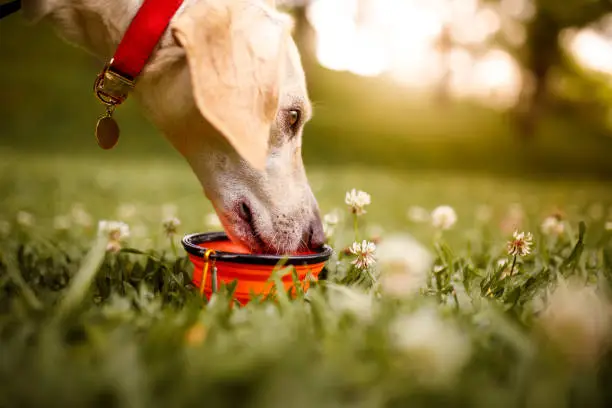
(364, 252)
(25, 219)
(443, 217)
(62, 222)
(171, 225)
(330, 221)
(437, 349)
(520, 244)
(115, 232)
(126, 211)
(576, 319)
(417, 214)
(80, 215)
(553, 225)
(404, 264)
(357, 200)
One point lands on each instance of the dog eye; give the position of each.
(294, 117)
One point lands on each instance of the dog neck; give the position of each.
(94, 25)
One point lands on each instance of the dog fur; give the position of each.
(221, 86)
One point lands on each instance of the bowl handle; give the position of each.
(207, 263)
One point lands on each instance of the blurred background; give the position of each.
(404, 90)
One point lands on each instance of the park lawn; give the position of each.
(109, 187)
(139, 335)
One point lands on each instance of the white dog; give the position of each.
(227, 88)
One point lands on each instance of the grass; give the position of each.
(81, 327)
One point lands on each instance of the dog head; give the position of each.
(234, 105)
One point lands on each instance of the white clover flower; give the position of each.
(520, 244)
(25, 219)
(576, 318)
(115, 232)
(365, 254)
(443, 217)
(330, 220)
(126, 211)
(171, 225)
(437, 349)
(5, 228)
(417, 214)
(357, 200)
(62, 222)
(212, 221)
(80, 215)
(553, 225)
(404, 264)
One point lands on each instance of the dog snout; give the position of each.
(315, 234)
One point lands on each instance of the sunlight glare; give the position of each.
(591, 50)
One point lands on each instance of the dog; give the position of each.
(226, 87)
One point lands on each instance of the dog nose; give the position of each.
(316, 236)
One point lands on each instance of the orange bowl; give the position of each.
(251, 271)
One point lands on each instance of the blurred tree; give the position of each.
(543, 51)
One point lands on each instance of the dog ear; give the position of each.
(235, 54)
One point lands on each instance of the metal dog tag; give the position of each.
(107, 131)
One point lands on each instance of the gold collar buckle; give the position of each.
(112, 89)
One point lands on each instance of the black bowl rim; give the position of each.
(190, 244)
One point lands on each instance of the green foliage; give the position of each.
(81, 327)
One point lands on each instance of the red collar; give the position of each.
(144, 32)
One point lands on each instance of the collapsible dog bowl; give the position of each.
(215, 257)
